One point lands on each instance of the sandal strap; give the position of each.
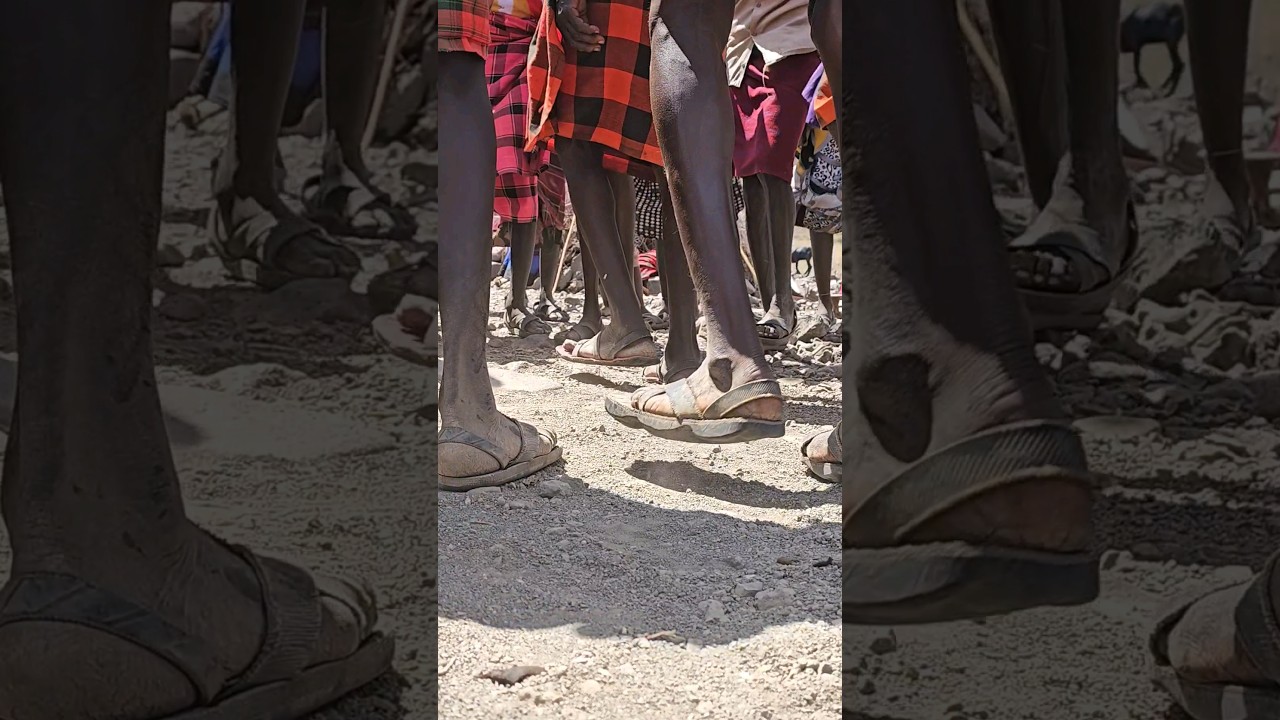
(623, 343)
(452, 434)
(62, 598)
(1258, 630)
(972, 467)
(683, 402)
(741, 395)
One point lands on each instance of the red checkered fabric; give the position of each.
(463, 26)
(600, 97)
(506, 62)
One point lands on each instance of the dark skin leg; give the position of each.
(552, 243)
(1091, 189)
(688, 72)
(591, 315)
(264, 43)
(682, 351)
(824, 246)
(466, 202)
(1218, 34)
(605, 207)
(939, 345)
(518, 315)
(89, 486)
(1028, 35)
(353, 45)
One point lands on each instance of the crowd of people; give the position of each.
(971, 494)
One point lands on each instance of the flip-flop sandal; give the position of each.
(779, 335)
(580, 333)
(249, 252)
(326, 202)
(1082, 310)
(888, 580)
(1257, 632)
(405, 344)
(656, 322)
(657, 375)
(278, 684)
(608, 357)
(526, 324)
(524, 464)
(550, 312)
(689, 425)
(825, 471)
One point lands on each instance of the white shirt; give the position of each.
(779, 28)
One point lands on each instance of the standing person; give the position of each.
(591, 103)
(770, 58)
(117, 605)
(529, 184)
(479, 446)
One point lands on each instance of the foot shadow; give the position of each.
(685, 477)
(590, 378)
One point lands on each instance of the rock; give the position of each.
(554, 488)
(713, 610)
(748, 588)
(483, 491)
(885, 644)
(512, 675)
(779, 599)
(591, 687)
(184, 307)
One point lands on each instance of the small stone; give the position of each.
(714, 610)
(748, 588)
(867, 687)
(779, 599)
(512, 675)
(519, 505)
(554, 488)
(788, 560)
(591, 687)
(482, 491)
(885, 644)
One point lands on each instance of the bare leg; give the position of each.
(1028, 36)
(549, 255)
(760, 236)
(264, 45)
(1218, 34)
(824, 246)
(682, 353)
(518, 317)
(782, 215)
(688, 72)
(89, 488)
(466, 212)
(353, 44)
(603, 202)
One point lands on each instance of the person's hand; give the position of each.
(578, 33)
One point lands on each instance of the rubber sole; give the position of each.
(824, 471)
(616, 362)
(944, 582)
(1219, 702)
(727, 430)
(509, 474)
(312, 690)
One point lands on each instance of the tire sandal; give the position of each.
(551, 312)
(889, 580)
(525, 463)
(589, 351)
(774, 333)
(714, 425)
(1082, 310)
(277, 685)
(249, 251)
(1257, 633)
(825, 470)
(418, 342)
(658, 374)
(525, 324)
(328, 203)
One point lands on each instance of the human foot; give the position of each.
(970, 493)
(717, 403)
(347, 203)
(271, 245)
(634, 349)
(1219, 656)
(218, 632)
(823, 455)
(493, 454)
(669, 370)
(1068, 262)
(523, 323)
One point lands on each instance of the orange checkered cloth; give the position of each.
(463, 26)
(600, 97)
(824, 104)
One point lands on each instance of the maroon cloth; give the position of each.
(769, 115)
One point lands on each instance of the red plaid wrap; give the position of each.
(600, 97)
(516, 192)
(463, 26)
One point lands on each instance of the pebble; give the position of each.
(512, 675)
(714, 610)
(885, 644)
(591, 687)
(554, 489)
(748, 588)
(775, 599)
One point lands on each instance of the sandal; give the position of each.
(580, 332)
(774, 333)
(1257, 634)
(589, 351)
(249, 251)
(1082, 310)
(335, 206)
(825, 470)
(656, 321)
(278, 685)
(551, 312)
(526, 324)
(714, 425)
(525, 463)
(417, 341)
(889, 580)
(386, 290)
(658, 374)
